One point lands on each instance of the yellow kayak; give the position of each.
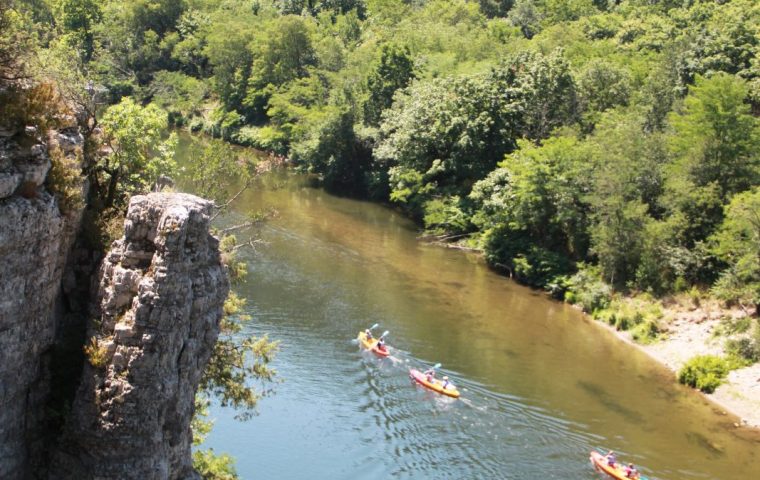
(371, 344)
(435, 385)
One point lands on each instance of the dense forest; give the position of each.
(582, 145)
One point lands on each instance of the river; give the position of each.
(541, 383)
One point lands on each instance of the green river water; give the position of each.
(542, 385)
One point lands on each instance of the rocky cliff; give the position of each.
(160, 297)
(35, 238)
(153, 322)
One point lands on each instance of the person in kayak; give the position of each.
(381, 344)
(446, 384)
(429, 374)
(611, 458)
(631, 472)
(368, 333)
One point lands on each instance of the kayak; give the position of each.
(435, 385)
(618, 471)
(372, 345)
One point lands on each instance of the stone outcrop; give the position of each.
(160, 298)
(35, 238)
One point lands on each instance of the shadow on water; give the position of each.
(600, 394)
(714, 449)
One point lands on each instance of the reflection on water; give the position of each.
(541, 385)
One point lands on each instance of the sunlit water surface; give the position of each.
(542, 385)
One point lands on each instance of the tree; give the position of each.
(495, 8)
(545, 90)
(15, 41)
(715, 142)
(525, 15)
(78, 18)
(445, 134)
(284, 52)
(533, 208)
(231, 60)
(716, 139)
(136, 154)
(603, 85)
(737, 243)
(394, 71)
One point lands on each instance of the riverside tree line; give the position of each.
(618, 139)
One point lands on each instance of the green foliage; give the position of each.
(716, 140)
(552, 132)
(65, 180)
(16, 40)
(446, 133)
(137, 153)
(394, 71)
(446, 216)
(603, 85)
(96, 353)
(704, 372)
(213, 466)
(180, 95)
(526, 15)
(77, 18)
(738, 244)
(284, 53)
(588, 291)
(545, 89)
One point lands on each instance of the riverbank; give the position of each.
(691, 331)
(688, 329)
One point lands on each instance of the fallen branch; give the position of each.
(250, 243)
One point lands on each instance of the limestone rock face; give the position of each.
(35, 239)
(161, 292)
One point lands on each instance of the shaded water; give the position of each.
(542, 385)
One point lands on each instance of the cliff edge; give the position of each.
(35, 238)
(161, 292)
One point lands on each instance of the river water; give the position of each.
(541, 384)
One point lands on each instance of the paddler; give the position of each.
(446, 384)
(368, 333)
(611, 458)
(429, 374)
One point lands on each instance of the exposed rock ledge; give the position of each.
(160, 297)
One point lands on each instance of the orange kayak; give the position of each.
(435, 385)
(617, 471)
(371, 344)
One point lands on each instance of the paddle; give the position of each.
(384, 334)
(437, 365)
(374, 326)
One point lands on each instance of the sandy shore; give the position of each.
(690, 333)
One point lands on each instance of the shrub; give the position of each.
(588, 290)
(646, 331)
(704, 372)
(743, 348)
(96, 352)
(65, 180)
